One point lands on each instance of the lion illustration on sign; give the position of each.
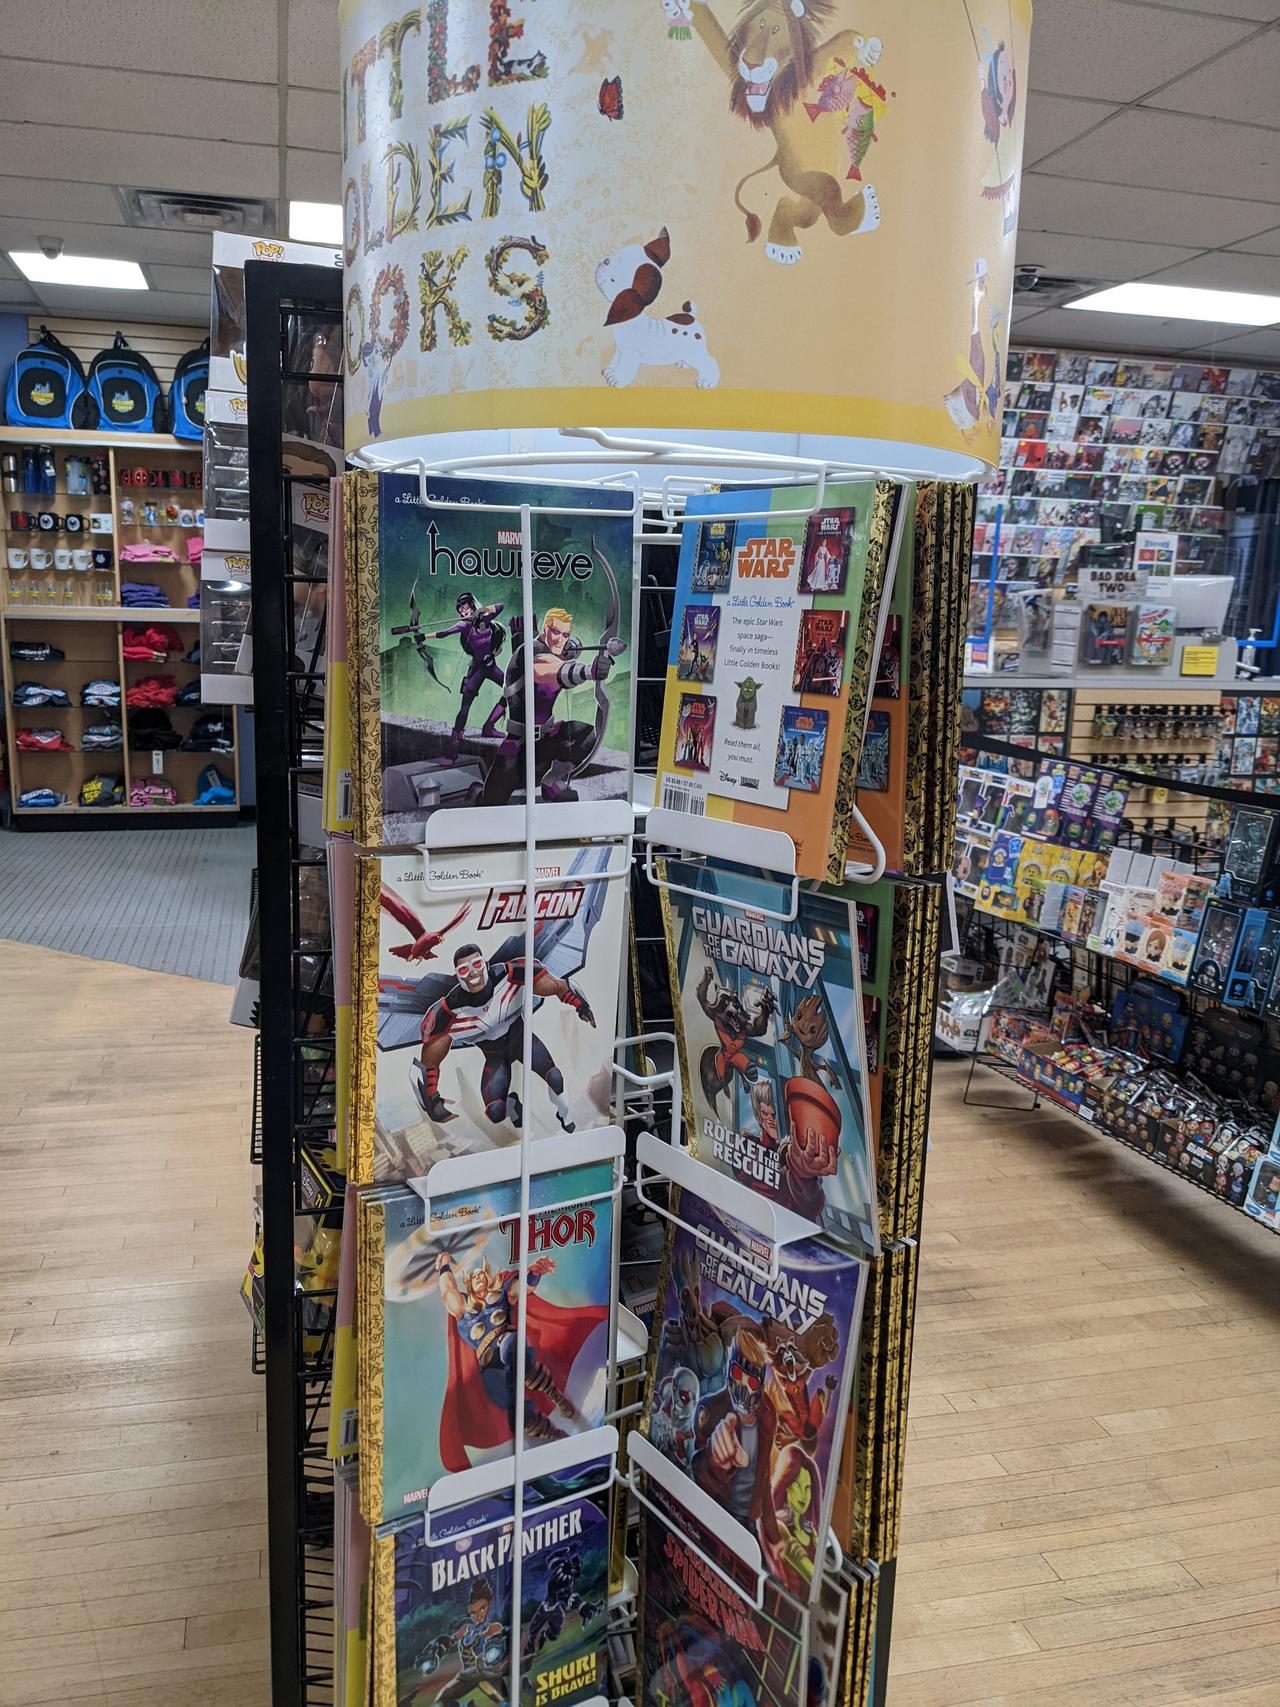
(821, 102)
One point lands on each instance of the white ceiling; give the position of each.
(1153, 147)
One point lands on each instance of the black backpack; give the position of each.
(47, 387)
(186, 394)
(123, 385)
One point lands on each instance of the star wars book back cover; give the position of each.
(439, 1028)
(752, 1379)
(770, 1022)
(450, 1304)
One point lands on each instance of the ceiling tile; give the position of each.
(1262, 242)
(1117, 52)
(313, 43)
(16, 294)
(108, 100)
(1054, 119)
(147, 38)
(314, 177)
(47, 201)
(181, 281)
(1084, 331)
(122, 305)
(315, 119)
(171, 248)
(1158, 149)
(1106, 258)
(1257, 11)
(1053, 203)
(1240, 86)
(1222, 270)
(1256, 345)
(123, 157)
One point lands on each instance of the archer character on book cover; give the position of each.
(696, 659)
(451, 675)
(452, 1313)
(770, 1029)
(453, 1603)
(457, 1086)
(819, 666)
(777, 1358)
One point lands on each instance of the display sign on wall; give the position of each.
(786, 216)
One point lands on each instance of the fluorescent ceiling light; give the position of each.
(316, 222)
(91, 270)
(1184, 302)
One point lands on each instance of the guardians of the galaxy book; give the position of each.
(442, 1617)
(437, 649)
(769, 1020)
(702, 1641)
(439, 1310)
(439, 1003)
(786, 646)
(751, 1380)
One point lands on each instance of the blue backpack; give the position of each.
(186, 394)
(47, 387)
(123, 385)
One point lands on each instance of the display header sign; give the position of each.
(790, 216)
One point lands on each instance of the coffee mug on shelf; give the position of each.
(81, 558)
(62, 558)
(101, 559)
(16, 557)
(74, 522)
(22, 521)
(48, 521)
(40, 558)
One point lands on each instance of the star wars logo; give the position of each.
(738, 939)
(506, 906)
(575, 1226)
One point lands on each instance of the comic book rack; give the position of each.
(297, 1056)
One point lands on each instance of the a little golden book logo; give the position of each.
(263, 251)
(772, 559)
(42, 394)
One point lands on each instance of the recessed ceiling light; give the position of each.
(92, 270)
(316, 222)
(1184, 302)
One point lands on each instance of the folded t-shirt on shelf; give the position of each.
(134, 594)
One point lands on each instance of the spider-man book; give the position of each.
(439, 1002)
(752, 1379)
(773, 1062)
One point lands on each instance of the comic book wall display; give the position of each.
(769, 1018)
(437, 650)
(442, 1625)
(772, 734)
(438, 1306)
(751, 1381)
(439, 1026)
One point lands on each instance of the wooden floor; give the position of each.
(1092, 1506)
(131, 1443)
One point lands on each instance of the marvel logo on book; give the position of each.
(679, 799)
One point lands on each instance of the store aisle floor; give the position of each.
(1092, 1480)
(132, 1531)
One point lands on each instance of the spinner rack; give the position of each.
(296, 1023)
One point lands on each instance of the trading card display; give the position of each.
(439, 1021)
(442, 1616)
(772, 735)
(437, 652)
(438, 1308)
(769, 1019)
(751, 1380)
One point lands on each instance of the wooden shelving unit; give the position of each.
(61, 606)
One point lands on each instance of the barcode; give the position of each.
(677, 798)
(347, 1428)
(344, 795)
